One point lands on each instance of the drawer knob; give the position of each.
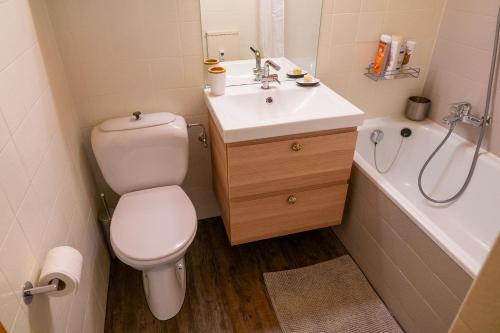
(296, 146)
(292, 199)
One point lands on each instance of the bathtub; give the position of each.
(420, 257)
(465, 229)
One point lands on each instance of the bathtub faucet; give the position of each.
(462, 112)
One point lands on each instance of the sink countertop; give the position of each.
(243, 113)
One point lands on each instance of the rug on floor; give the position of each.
(333, 296)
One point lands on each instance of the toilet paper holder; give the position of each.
(29, 290)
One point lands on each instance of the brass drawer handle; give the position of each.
(292, 199)
(296, 146)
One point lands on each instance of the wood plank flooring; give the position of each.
(225, 287)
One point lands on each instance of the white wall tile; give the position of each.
(39, 196)
(344, 28)
(13, 178)
(189, 10)
(461, 62)
(4, 133)
(191, 38)
(373, 5)
(32, 138)
(21, 323)
(167, 73)
(9, 304)
(360, 23)
(6, 216)
(16, 31)
(370, 26)
(346, 6)
(32, 216)
(11, 102)
(121, 57)
(28, 77)
(16, 259)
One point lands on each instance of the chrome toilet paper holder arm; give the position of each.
(29, 290)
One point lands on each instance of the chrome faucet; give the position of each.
(258, 71)
(266, 78)
(462, 112)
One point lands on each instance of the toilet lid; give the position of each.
(153, 224)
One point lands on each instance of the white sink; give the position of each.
(246, 112)
(241, 72)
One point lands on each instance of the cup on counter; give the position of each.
(207, 64)
(217, 80)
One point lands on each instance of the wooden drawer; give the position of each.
(274, 215)
(274, 166)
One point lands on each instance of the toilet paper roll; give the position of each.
(63, 263)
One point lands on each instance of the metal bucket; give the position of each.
(417, 108)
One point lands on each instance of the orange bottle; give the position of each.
(382, 54)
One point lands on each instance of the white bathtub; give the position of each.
(464, 229)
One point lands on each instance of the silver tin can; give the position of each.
(417, 108)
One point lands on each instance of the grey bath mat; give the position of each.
(333, 296)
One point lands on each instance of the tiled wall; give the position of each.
(46, 192)
(350, 30)
(421, 285)
(461, 63)
(127, 55)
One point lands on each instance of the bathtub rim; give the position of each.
(468, 263)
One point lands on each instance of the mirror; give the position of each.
(285, 30)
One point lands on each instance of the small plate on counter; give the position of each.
(303, 83)
(292, 75)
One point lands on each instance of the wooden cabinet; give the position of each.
(273, 187)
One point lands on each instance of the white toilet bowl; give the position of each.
(144, 158)
(151, 231)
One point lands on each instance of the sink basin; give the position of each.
(249, 112)
(241, 72)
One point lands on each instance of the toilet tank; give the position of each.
(136, 154)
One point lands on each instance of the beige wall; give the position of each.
(480, 312)
(420, 284)
(46, 192)
(461, 63)
(123, 56)
(350, 30)
(231, 15)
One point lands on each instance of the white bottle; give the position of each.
(401, 56)
(410, 50)
(392, 65)
(217, 80)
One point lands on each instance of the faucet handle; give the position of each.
(257, 52)
(273, 64)
(461, 108)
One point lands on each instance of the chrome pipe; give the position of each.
(29, 291)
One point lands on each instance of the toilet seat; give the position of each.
(153, 226)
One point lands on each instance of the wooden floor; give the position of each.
(225, 288)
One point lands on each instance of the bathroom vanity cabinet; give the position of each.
(277, 186)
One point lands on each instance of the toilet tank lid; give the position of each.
(129, 123)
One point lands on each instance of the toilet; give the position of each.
(144, 159)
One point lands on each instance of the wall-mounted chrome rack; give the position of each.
(406, 72)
